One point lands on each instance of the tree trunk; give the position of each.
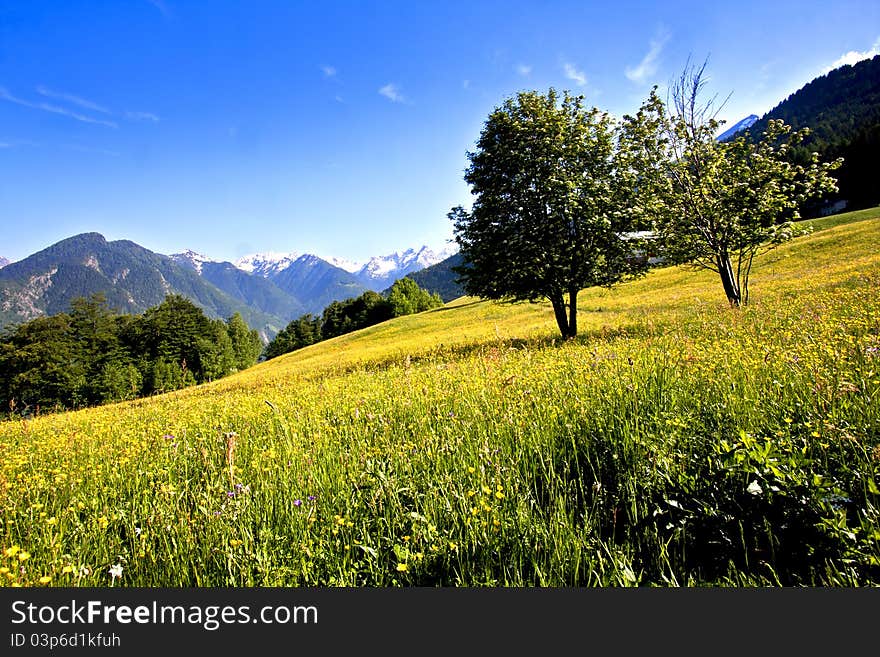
(572, 313)
(559, 311)
(728, 280)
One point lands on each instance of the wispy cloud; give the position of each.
(465, 84)
(573, 74)
(392, 92)
(4, 144)
(142, 116)
(72, 99)
(329, 71)
(161, 6)
(648, 66)
(54, 109)
(854, 56)
(523, 69)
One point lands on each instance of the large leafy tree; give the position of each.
(724, 202)
(546, 220)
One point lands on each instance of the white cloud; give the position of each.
(854, 56)
(142, 116)
(3, 144)
(524, 69)
(70, 98)
(573, 74)
(392, 92)
(54, 109)
(329, 71)
(465, 84)
(648, 66)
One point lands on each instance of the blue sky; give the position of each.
(336, 128)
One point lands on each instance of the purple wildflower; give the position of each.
(312, 498)
(297, 502)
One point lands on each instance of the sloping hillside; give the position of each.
(676, 442)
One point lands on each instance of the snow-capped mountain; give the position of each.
(191, 259)
(744, 124)
(382, 270)
(3, 262)
(377, 273)
(266, 264)
(287, 283)
(348, 265)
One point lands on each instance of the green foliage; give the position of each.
(246, 343)
(406, 298)
(216, 355)
(299, 333)
(40, 367)
(342, 317)
(723, 202)
(547, 220)
(842, 111)
(118, 381)
(91, 355)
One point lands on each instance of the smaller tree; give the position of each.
(246, 343)
(406, 298)
(216, 353)
(724, 202)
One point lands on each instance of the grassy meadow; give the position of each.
(675, 442)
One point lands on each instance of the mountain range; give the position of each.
(375, 274)
(268, 290)
(3, 262)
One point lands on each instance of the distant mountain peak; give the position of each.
(191, 259)
(396, 265)
(267, 263)
(3, 262)
(351, 266)
(739, 126)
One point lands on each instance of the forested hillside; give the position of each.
(842, 109)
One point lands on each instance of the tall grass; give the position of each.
(676, 442)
